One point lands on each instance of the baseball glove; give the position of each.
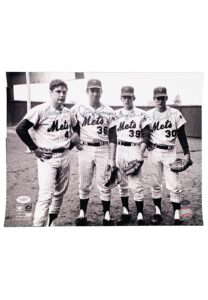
(112, 177)
(180, 165)
(132, 167)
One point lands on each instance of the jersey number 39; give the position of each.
(136, 133)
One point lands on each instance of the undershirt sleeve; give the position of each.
(22, 131)
(183, 139)
(146, 134)
(112, 135)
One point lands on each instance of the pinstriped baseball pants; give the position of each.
(53, 179)
(134, 183)
(93, 159)
(160, 160)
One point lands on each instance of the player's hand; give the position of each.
(74, 138)
(42, 154)
(79, 145)
(38, 152)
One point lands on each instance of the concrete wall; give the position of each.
(17, 109)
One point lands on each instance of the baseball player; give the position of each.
(167, 123)
(55, 127)
(98, 149)
(132, 137)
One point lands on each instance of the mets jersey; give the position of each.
(129, 124)
(164, 125)
(94, 123)
(52, 128)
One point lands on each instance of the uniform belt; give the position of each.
(95, 144)
(127, 143)
(59, 150)
(164, 147)
(56, 150)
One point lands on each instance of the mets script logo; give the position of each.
(158, 126)
(169, 133)
(56, 127)
(123, 125)
(93, 121)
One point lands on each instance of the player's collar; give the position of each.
(165, 114)
(128, 111)
(98, 108)
(53, 109)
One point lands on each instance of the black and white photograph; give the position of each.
(103, 149)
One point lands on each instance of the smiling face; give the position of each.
(127, 101)
(160, 103)
(58, 97)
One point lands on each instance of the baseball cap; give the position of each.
(94, 83)
(160, 91)
(127, 91)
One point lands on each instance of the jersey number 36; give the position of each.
(102, 130)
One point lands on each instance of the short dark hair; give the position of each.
(57, 82)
